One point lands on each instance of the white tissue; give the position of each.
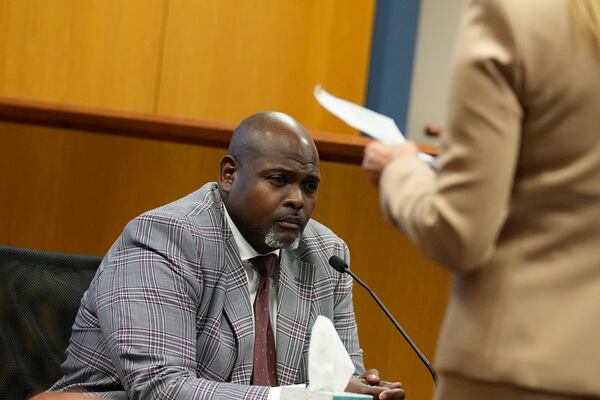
(329, 365)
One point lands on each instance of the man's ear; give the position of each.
(228, 168)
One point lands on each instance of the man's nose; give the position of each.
(295, 198)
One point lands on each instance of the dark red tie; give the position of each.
(264, 371)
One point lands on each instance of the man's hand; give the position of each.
(377, 155)
(370, 383)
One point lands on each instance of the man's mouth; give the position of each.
(290, 222)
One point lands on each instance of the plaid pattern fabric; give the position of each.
(168, 314)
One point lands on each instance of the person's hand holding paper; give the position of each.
(371, 123)
(390, 142)
(377, 155)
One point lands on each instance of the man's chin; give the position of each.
(275, 241)
(292, 245)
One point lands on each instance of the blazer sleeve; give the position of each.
(147, 304)
(455, 214)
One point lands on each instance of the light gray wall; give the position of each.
(438, 23)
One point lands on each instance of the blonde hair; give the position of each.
(587, 15)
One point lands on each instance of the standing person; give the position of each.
(214, 295)
(513, 204)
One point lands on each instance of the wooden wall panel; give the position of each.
(226, 59)
(94, 52)
(74, 191)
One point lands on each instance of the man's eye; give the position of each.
(277, 179)
(311, 187)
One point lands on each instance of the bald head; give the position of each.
(261, 132)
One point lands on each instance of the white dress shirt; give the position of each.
(246, 253)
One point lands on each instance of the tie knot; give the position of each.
(265, 265)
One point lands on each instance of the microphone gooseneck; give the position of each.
(340, 265)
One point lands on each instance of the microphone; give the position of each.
(340, 265)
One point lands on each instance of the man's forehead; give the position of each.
(306, 158)
(283, 150)
(290, 162)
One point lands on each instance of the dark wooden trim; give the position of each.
(332, 146)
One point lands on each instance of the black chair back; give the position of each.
(40, 293)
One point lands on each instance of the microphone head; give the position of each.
(338, 264)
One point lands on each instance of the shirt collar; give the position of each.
(244, 248)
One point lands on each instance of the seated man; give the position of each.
(215, 294)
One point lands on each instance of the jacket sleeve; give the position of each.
(455, 213)
(147, 305)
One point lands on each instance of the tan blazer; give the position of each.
(514, 206)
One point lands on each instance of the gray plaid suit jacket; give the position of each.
(168, 314)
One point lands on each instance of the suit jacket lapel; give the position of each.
(238, 311)
(295, 297)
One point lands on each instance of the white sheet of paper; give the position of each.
(374, 124)
(378, 126)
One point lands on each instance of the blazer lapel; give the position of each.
(295, 297)
(238, 311)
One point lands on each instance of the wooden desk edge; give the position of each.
(336, 147)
